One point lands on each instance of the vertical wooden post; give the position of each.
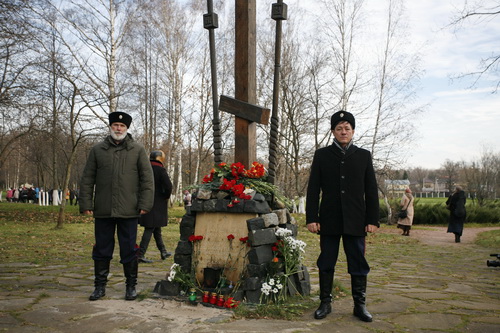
(245, 150)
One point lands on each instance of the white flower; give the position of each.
(282, 232)
(265, 288)
(271, 282)
(275, 290)
(279, 286)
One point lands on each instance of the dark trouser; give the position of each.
(146, 237)
(354, 248)
(357, 266)
(105, 239)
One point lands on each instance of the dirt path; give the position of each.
(439, 236)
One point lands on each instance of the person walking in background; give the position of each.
(10, 195)
(406, 204)
(456, 205)
(348, 208)
(158, 216)
(72, 197)
(117, 187)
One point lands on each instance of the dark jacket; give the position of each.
(158, 216)
(122, 177)
(456, 205)
(349, 192)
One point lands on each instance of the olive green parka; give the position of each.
(122, 177)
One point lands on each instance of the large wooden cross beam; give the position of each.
(245, 78)
(246, 115)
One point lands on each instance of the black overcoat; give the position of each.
(158, 216)
(456, 204)
(348, 188)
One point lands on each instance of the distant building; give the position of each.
(396, 187)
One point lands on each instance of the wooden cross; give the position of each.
(246, 116)
(243, 106)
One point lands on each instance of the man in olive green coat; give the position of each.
(117, 187)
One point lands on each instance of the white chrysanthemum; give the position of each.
(265, 288)
(282, 232)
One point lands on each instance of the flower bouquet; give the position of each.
(238, 182)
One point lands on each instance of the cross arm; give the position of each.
(244, 110)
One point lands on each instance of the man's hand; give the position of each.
(143, 212)
(313, 227)
(371, 228)
(87, 212)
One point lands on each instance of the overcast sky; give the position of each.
(459, 121)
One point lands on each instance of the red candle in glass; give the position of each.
(213, 299)
(206, 297)
(220, 302)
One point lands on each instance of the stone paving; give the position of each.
(440, 288)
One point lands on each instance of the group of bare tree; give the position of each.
(67, 64)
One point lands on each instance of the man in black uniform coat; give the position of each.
(343, 175)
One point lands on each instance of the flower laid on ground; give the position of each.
(291, 252)
(230, 237)
(272, 290)
(176, 274)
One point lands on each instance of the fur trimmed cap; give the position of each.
(120, 117)
(343, 116)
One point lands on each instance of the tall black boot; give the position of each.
(143, 247)
(325, 295)
(358, 285)
(161, 246)
(101, 271)
(457, 238)
(130, 270)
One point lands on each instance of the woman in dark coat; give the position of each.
(158, 217)
(456, 205)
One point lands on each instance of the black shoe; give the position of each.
(323, 309)
(165, 255)
(145, 261)
(100, 291)
(130, 293)
(362, 313)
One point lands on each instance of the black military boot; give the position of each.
(325, 295)
(358, 285)
(101, 271)
(130, 270)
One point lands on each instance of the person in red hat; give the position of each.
(342, 203)
(116, 187)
